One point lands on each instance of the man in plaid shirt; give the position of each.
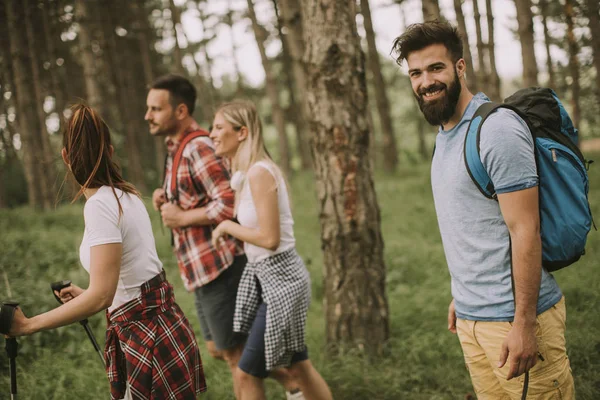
(202, 199)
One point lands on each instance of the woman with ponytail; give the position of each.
(151, 351)
(274, 291)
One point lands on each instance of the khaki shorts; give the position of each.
(481, 342)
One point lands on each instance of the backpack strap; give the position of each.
(177, 160)
(473, 163)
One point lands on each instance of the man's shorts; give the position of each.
(551, 376)
(215, 305)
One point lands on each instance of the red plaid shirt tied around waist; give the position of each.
(202, 181)
(151, 346)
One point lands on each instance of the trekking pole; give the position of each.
(7, 312)
(60, 285)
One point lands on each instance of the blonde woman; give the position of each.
(274, 291)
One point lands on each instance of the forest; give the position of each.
(365, 220)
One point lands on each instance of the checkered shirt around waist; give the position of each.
(283, 283)
(151, 346)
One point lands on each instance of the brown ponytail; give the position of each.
(86, 140)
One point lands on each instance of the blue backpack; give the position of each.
(565, 214)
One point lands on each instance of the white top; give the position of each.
(246, 215)
(139, 261)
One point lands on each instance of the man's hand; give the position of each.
(158, 198)
(452, 317)
(172, 216)
(521, 344)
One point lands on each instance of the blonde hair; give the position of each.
(242, 113)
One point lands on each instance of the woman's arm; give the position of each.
(264, 195)
(104, 277)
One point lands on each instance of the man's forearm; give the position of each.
(527, 272)
(197, 216)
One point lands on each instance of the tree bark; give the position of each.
(125, 96)
(57, 89)
(592, 13)
(272, 91)
(204, 97)
(431, 10)
(525, 21)
(462, 28)
(236, 67)
(94, 96)
(390, 148)
(141, 28)
(573, 62)
(543, 7)
(292, 69)
(482, 74)
(33, 158)
(356, 306)
(177, 54)
(214, 94)
(494, 78)
(49, 177)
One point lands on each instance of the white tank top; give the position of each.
(133, 230)
(246, 215)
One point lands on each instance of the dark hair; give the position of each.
(180, 90)
(419, 36)
(86, 140)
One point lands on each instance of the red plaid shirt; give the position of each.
(202, 181)
(151, 346)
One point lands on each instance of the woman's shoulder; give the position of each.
(264, 168)
(105, 202)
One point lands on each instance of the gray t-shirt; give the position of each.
(475, 237)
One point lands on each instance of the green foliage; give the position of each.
(422, 361)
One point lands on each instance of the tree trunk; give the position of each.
(592, 14)
(9, 159)
(573, 62)
(204, 97)
(296, 93)
(125, 95)
(494, 78)
(525, 21)
(462, 28)
(177, 55)
(356, 306)
(30, 146)
(234, 50)
(431, 10)
(214, 95)
(57, 89)
(272, 91)
(141, 28)
(390, 148)
(482, 74)
(94, 96)
(543, 7)
(41, 132)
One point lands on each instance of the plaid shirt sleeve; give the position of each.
(210, 172)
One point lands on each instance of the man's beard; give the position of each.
(439, 111)
(166, 129)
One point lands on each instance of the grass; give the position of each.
(423, 360)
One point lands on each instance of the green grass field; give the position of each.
(423, 360)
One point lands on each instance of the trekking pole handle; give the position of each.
(60, 285)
